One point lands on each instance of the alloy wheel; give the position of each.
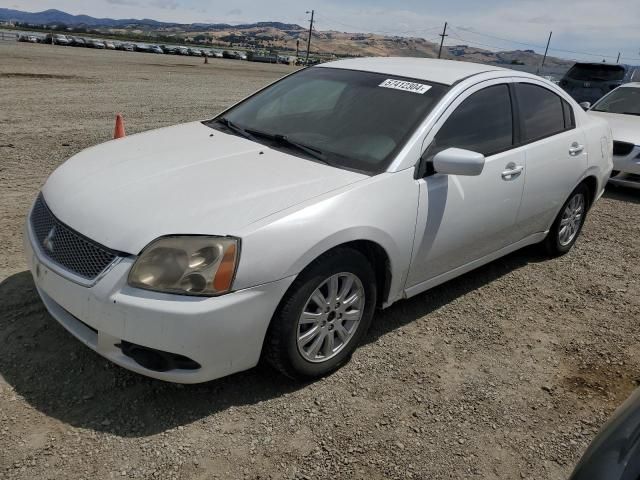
(571, 219)
(330, 317)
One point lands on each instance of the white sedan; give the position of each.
(621, 108)
(277, 228)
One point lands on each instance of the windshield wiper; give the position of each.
(235, 128)
(284, 140)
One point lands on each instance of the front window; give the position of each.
(624, 100)
(349, 119)
(482, 123)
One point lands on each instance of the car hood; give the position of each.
(185, 179)
(626, 128)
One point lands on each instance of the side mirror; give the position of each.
(456, 161)
(585, 105)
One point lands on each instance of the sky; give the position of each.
(595, 27)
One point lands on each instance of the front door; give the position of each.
(464, 218)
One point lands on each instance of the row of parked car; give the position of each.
(252, 56)
(76, 41)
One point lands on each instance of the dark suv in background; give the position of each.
(588, 82)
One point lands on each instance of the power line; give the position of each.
(379, 32)
(500, 38)
(457, 36)
(575, 52)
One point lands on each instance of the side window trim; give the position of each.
(572, 115)
(515, 115)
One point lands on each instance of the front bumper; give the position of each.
(628, 167)
(222, 334)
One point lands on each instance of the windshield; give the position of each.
(625, 100)
(594, 73)
(350, 119)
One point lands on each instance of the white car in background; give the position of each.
(277, 228)
(621, 108)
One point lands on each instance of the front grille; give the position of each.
(622, 149)
(66, 247)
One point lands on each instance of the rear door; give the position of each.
(556, 156)
(464, 218)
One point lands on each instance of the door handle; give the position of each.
(575, 149)
(512, 171)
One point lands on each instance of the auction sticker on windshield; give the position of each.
(406, 86)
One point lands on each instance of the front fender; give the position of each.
(381, 209)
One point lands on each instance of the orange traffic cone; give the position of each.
(118, 132)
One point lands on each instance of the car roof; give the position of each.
(599, 64)
(434, 70)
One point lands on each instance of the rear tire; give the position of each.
(323, 317)
(568, 224)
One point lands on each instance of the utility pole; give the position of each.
(545, 54)
(297, 49)
(618, 60)
(442, 35)
(306, 60)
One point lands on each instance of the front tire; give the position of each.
(568, 224)
(324, 316)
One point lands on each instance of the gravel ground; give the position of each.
(506, 372)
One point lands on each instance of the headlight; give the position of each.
(191, 265)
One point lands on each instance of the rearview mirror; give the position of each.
(585, 105)
(456, 161)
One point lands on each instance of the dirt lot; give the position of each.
(507, 372)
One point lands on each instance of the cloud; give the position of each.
(165, 4)
(235, 11)
(124, 2)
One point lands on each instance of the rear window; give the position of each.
(542, 111)
(591, 72)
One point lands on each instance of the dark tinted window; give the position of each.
(482, 123)
(596, 72)
(540, 110)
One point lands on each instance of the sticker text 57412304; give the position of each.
(405, 86)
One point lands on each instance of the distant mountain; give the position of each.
(51, 17)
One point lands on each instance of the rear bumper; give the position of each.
(222, 334)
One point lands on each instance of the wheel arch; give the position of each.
(379, 260)
(592, 185)
(377, 255)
